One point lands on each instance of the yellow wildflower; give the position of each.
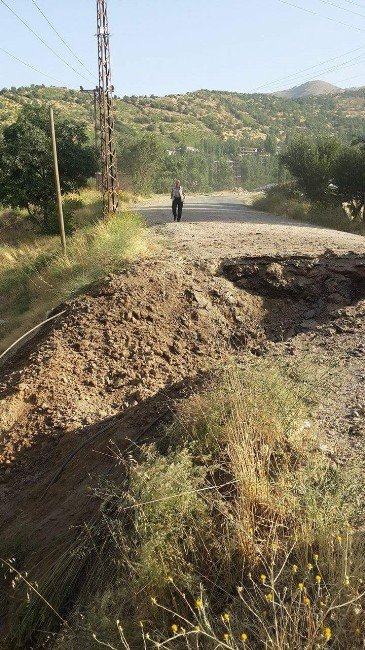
(346, 581)
(226, 616)
(327, 633)
(199, 603)
(318, 579)
(174, 627)
(270, 597)
(295, 568)
(315, 557)
(244, 636)
(339, 538)
(310, 566)
(226, 636)
(307, 601)
(197, 628)
(301, 586)
(322, 604)
(263, 578)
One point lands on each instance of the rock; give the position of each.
(308, 324)
(310, 314)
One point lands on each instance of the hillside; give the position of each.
(309, 89)
(205, 115)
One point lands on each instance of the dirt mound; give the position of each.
(114, 364)
(130, 337)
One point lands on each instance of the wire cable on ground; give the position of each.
(42, 40)
(48, 320)
(29, 65)
(315, 13)
(61, 38)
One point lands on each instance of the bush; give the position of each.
(287, 201)
(232, 531)
(35, 278)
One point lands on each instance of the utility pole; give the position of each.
(105, 98)
(57, 182)
(95, 93)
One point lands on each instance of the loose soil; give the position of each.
(109, 372)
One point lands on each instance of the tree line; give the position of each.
(325, 169)
(329, 172)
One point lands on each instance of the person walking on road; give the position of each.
(178, 198)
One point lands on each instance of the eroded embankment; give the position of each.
(124, 352)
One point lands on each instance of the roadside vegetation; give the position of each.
(34, 274)
(328, 185)
(230, 530)
(200, 136)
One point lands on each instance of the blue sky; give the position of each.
(167, 46)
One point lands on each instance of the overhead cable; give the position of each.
(29, 65)
(60, 37)
(312, 67)
(41, 39)
(315, 13)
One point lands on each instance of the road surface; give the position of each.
(219, 226)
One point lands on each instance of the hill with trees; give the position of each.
(214, 139)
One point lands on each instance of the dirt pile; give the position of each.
(133, 335)
(158, 323)
(116, 362)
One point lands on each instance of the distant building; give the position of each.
(173, 152)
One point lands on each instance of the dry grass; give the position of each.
(36, 277)
(233, 531)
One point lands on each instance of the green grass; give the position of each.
(35, 276)
(285, 201)
(233, 511)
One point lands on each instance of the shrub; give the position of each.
(231, 531)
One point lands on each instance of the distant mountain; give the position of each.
(309, 89)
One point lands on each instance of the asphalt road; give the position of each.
(216, 226)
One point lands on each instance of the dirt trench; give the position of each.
(115, 364)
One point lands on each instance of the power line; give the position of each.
(356, 76)
(317, 65)
(29, 65)
(333, 4)
(351, 2)
(41, 39)
(315, 13)
(354, 61)
(60, 37)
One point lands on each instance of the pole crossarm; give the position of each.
(105, 101)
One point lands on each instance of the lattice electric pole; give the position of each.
(105, 100)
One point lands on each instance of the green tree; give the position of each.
(312, 165)
(142, 160)
(26, 164)
(349, 177)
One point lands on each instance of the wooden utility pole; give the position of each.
(57, 182)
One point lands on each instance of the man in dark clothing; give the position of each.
(178, 198)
